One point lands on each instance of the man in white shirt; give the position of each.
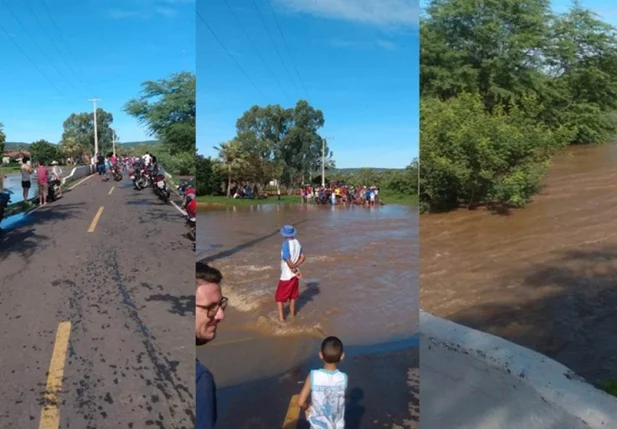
(292, 256)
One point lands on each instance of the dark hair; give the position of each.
(25, 159)
(208, 274)
(332, 349)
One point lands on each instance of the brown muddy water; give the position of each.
(544, 276)
(360, 282)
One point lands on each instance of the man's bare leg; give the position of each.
(292, 308)
(279, 306)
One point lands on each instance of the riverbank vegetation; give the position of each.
(278, 147)
(505, 86)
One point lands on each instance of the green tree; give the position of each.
(79, 130)
(208, 178)
(233, 160)
(167, 108)
(491, 47)
(44, 151)
(284, 140)
(2, 138)
(71, 148)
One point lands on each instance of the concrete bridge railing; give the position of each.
(470, 379)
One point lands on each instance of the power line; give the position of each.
(37, 45)
(287, 48)
(231, 56)
(30, 59)
(274, 44)
(32, 11)
(63, 40)
(257, 51)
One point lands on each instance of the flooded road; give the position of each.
(360, 280)
(544, 276)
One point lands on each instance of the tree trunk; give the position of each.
(228, 181)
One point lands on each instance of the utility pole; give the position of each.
(113, 141)
(96, 136)
(323, 160)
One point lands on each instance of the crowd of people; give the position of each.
(340, 193)
(323, 394)
(45, 177)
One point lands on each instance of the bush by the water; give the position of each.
(472, 156)
(539, 80)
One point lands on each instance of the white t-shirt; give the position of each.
(291, 249)
(147, 159)
(25, 173)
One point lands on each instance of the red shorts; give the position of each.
(287, 289)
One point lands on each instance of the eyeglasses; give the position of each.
(213, 308)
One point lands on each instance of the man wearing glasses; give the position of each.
(209, 311)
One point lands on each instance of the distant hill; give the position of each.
(129, 145)
(13, 146)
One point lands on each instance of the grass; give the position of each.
(11, 168)
(609, 386)
(222, 200)
(387, 198)
(395, 198)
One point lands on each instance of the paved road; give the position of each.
(105, 312)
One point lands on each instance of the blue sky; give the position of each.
(357, 60)
(103, 49)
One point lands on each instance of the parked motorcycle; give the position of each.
(52, 190)
(159, 185)
(5, 199)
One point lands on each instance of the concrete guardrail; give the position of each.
(471, 379)
(79, 173)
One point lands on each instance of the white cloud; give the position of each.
(363, 44)
(122, 13)
(145, 9)
(166, 11)
(400, 13)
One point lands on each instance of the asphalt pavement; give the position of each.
(96, 316)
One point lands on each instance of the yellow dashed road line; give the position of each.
(50, 414)
(97, 216)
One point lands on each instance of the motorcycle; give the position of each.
(52, 190)
(139, 177)
(116, 173)
(189, 204)
(5, 199)
(159, 187)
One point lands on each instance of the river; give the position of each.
(360, 280)
(543, 276)
(12, 182)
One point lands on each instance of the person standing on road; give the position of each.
(56, 173)
(210, 307)
(43, 181)
(292, 256)
(100, 164)
(26, 172)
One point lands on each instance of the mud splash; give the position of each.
(543, 276)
